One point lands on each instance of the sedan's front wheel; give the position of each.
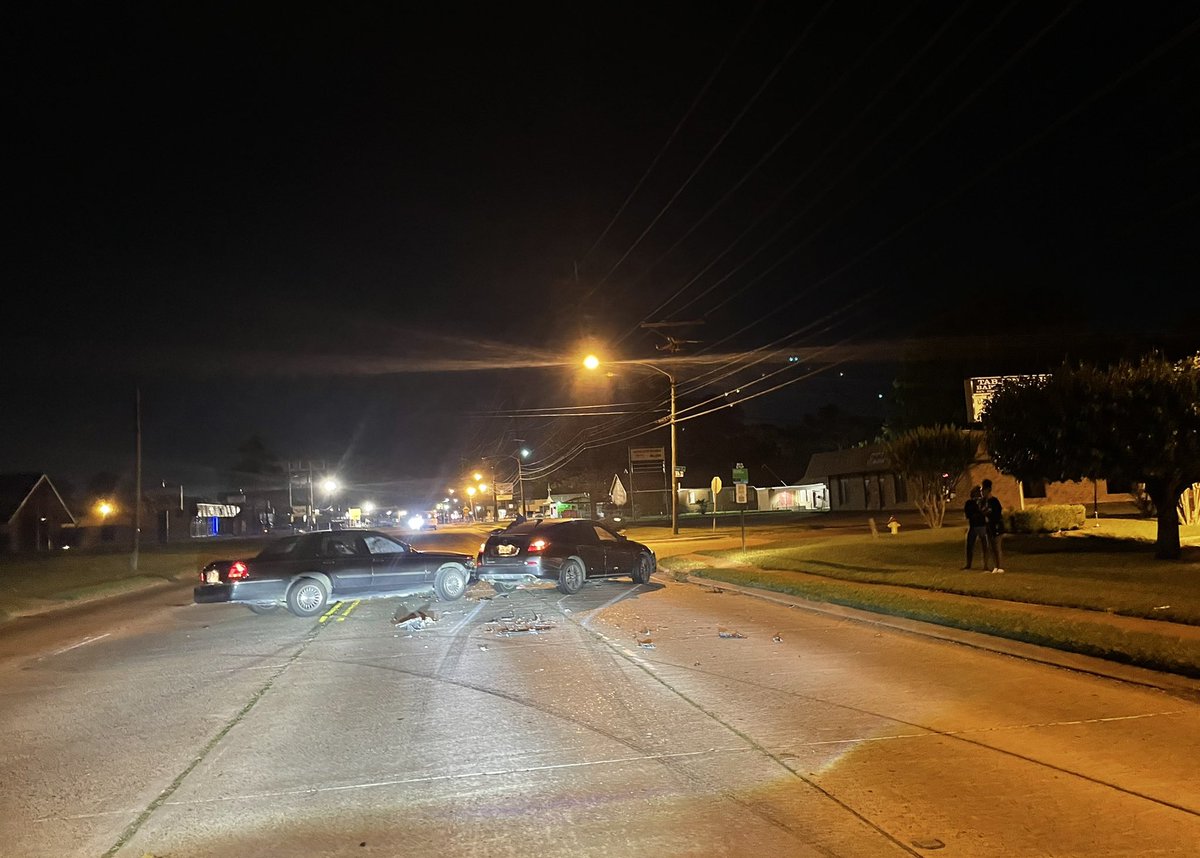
(450, 583)
(571, 577)
(307, 597)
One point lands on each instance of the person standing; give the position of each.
(995, 525)
(976, 515)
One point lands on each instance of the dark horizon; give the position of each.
(371, 235)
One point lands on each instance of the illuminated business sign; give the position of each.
(979, 391)
(217, 510)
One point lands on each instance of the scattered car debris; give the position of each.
(1160, 607)
(509, 624)
(777, 638)
(644, 640)
(728, 633)
(414, 620)
(483, 647)
(713, 590)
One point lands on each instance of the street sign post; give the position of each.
(741, 476)
(715, 485)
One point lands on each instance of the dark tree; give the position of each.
(255, 460)
(934, 460)
(1134, 422)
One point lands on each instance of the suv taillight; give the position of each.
(238, 570)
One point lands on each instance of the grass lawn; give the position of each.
(66, 576)
(1108, 569)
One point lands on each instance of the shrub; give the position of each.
(1046, 519)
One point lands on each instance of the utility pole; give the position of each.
(304, 468)
(137, 505)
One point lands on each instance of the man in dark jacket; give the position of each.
(976, 515)
(995, 524)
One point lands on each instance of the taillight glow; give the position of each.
(537, 545)
(238, 570)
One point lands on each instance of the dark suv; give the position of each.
(567, 552)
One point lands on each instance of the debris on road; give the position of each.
(727, 633)
(510, 624)
(777, 638)
(414, 621)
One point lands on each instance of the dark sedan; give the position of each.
(308, 571)
(567, 552)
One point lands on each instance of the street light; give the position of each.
(592, 362)
(524, 454)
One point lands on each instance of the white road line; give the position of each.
(83, 642)
(595, 611)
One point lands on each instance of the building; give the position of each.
(33, 516)
(857, 479)
(861, 480)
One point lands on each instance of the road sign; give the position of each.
(679, 471)
(741, 474)
(646, 454)
(715, 485)
(617, 491)
(740, 493)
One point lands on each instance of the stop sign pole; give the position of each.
(715, 485)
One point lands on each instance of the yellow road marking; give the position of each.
(333, 609)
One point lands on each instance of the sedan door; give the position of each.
(397, 567)
(342, 557)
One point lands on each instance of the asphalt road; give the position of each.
(665, 720)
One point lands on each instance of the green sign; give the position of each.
(741, 474)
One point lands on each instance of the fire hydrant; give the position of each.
(893, 525)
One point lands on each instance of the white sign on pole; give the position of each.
(740, 493)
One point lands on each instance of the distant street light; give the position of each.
(592, 362)
(524, 454)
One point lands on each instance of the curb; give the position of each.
(1171, 683)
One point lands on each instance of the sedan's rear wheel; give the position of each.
(643, 570)
(571, 577)
(307, 597)
(264, 608)
(450, 583)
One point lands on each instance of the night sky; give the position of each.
(383, 236)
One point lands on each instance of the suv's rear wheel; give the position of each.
(450, 583)
(504, 586)
(645, 568)
(307, 597)
(571, 577)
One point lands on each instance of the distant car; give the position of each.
(309, 571)
(567, 552)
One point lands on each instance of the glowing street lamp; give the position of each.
(592, 362)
